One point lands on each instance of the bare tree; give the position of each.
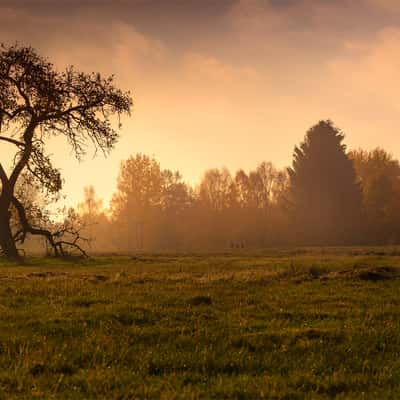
(36, 103)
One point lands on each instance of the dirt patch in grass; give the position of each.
(45, 274)
(200, 300)
(366, 273)
(379, 273)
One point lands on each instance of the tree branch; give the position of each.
(3, 176)
(27, 228)
(13, 141)
(57, 245)
(23, 161)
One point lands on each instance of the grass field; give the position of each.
(283, 324)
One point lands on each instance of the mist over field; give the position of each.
(222, 93)
(329, 196)
(199, 199)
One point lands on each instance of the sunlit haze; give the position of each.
(222, 83)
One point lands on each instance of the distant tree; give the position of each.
(176, 197)
(136, 201)
(95, 223)
(36, 103)
(177, 202)
(379, 176)
(259, 199)
(149, 204)
(243, 189)
(324, 194)
(91, 205)
(262, 186)
(217, 190)
(139, 185)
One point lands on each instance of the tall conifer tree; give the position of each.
(324, 195)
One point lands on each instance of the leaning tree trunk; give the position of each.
(7, 242)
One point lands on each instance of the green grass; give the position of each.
(282, 324)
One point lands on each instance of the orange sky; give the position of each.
(222, 83)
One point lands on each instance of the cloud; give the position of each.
(233, 81)
(213, 71)
(385, 5)
(370, 69)
(90, 43)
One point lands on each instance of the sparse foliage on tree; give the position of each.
(36, 103)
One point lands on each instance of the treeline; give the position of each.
(153, 209)
(328, 197)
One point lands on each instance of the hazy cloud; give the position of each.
(371, 68)
(241, 78)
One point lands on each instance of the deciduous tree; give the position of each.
(36, 103)
(379, 176)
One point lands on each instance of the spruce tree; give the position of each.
(325, 198)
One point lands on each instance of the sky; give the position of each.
(221, 83)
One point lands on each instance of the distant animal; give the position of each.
(236, 244)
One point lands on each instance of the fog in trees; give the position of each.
(329, 196)
(379, 176)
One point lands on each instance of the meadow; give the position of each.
(280, 324)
